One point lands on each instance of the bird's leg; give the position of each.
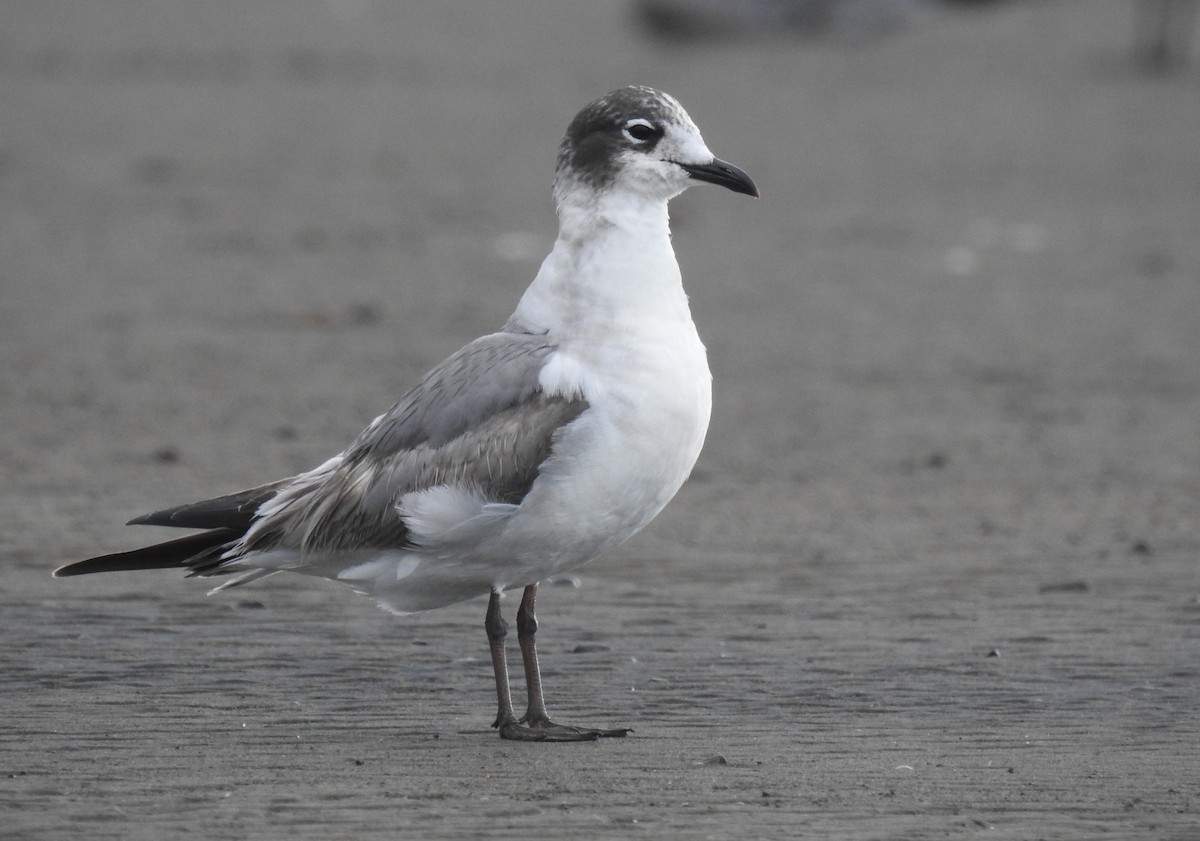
(497, 630)
(535, 713)
(536, 725)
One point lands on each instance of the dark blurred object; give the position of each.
(694, 20)
(1162, 33)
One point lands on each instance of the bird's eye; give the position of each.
(639, 131)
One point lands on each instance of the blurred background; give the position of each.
(956, 412)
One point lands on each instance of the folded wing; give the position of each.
(480, 420)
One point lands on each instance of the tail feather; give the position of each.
(185, 552)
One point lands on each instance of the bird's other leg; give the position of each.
(536, 725)
(497, 630)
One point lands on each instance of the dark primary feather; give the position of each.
(226, 517)
(173, 553)
(233, 511)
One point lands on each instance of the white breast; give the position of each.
(616, 308)
(624, 459)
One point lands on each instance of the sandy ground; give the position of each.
(935, 575)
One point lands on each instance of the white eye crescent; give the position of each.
(640, 131)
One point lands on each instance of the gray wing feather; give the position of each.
(479, 420)
(491, 374)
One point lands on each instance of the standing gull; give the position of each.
(529, 451)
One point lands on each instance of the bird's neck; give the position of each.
(584, 212)
(612, 268)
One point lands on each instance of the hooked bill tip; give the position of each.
(723, 174)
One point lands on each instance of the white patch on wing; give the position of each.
(396, 565)
(563, 374)
(451, 515)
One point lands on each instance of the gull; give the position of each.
(530, 451)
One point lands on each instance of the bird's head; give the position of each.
(640, 140)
